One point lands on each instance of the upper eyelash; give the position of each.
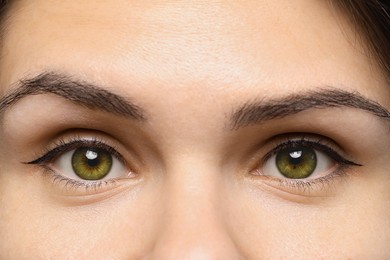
(62, 146)
(65, 146)
(321, 144)
(312, 144)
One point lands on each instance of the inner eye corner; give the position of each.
(299, 158)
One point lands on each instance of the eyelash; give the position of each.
(322, 145)
(61, 147)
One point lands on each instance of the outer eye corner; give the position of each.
(87, 163)
(302, 167)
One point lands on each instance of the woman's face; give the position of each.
(190, 130)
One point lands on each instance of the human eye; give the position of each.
(300, 164)
(83, 162)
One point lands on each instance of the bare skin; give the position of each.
(192, 184)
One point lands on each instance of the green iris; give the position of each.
(296, 163)
(91, 163)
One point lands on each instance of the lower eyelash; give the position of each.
(307, 185)
(68, 183)
(312, 188)
(63, 146)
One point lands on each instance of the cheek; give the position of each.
(38, 227)
(19, 214)
(355, 223)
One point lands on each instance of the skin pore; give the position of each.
(180, 77)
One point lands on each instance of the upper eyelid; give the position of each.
(314, 144)
(64, 147)
(285, 144)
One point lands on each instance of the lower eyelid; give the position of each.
(326, 186)
(322, 185)
(72, 185)
(68, 187)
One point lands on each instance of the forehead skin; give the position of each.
(218, 44)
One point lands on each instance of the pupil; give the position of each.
(296, 163)
(92, 158)
(91, 163)
(296, 158)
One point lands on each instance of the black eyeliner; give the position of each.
(311, 144)
(64, 147)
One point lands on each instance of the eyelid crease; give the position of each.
(64, 146)
(312, 144)
(307, 142)
(306, 187)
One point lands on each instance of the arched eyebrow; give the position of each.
(258, 112)
(94, 97)
(77, 91)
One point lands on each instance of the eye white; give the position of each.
(63, 166)
(324, 164)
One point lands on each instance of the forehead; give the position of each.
(223, 43)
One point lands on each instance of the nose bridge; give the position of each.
(192, 226)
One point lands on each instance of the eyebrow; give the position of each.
(258, 112)
(79, 92)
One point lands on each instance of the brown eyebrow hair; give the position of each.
(77, 91)
(255, 112)
(258, 111)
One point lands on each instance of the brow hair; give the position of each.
(259, 111)
(77, 91)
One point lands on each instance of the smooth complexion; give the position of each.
(195, 185)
